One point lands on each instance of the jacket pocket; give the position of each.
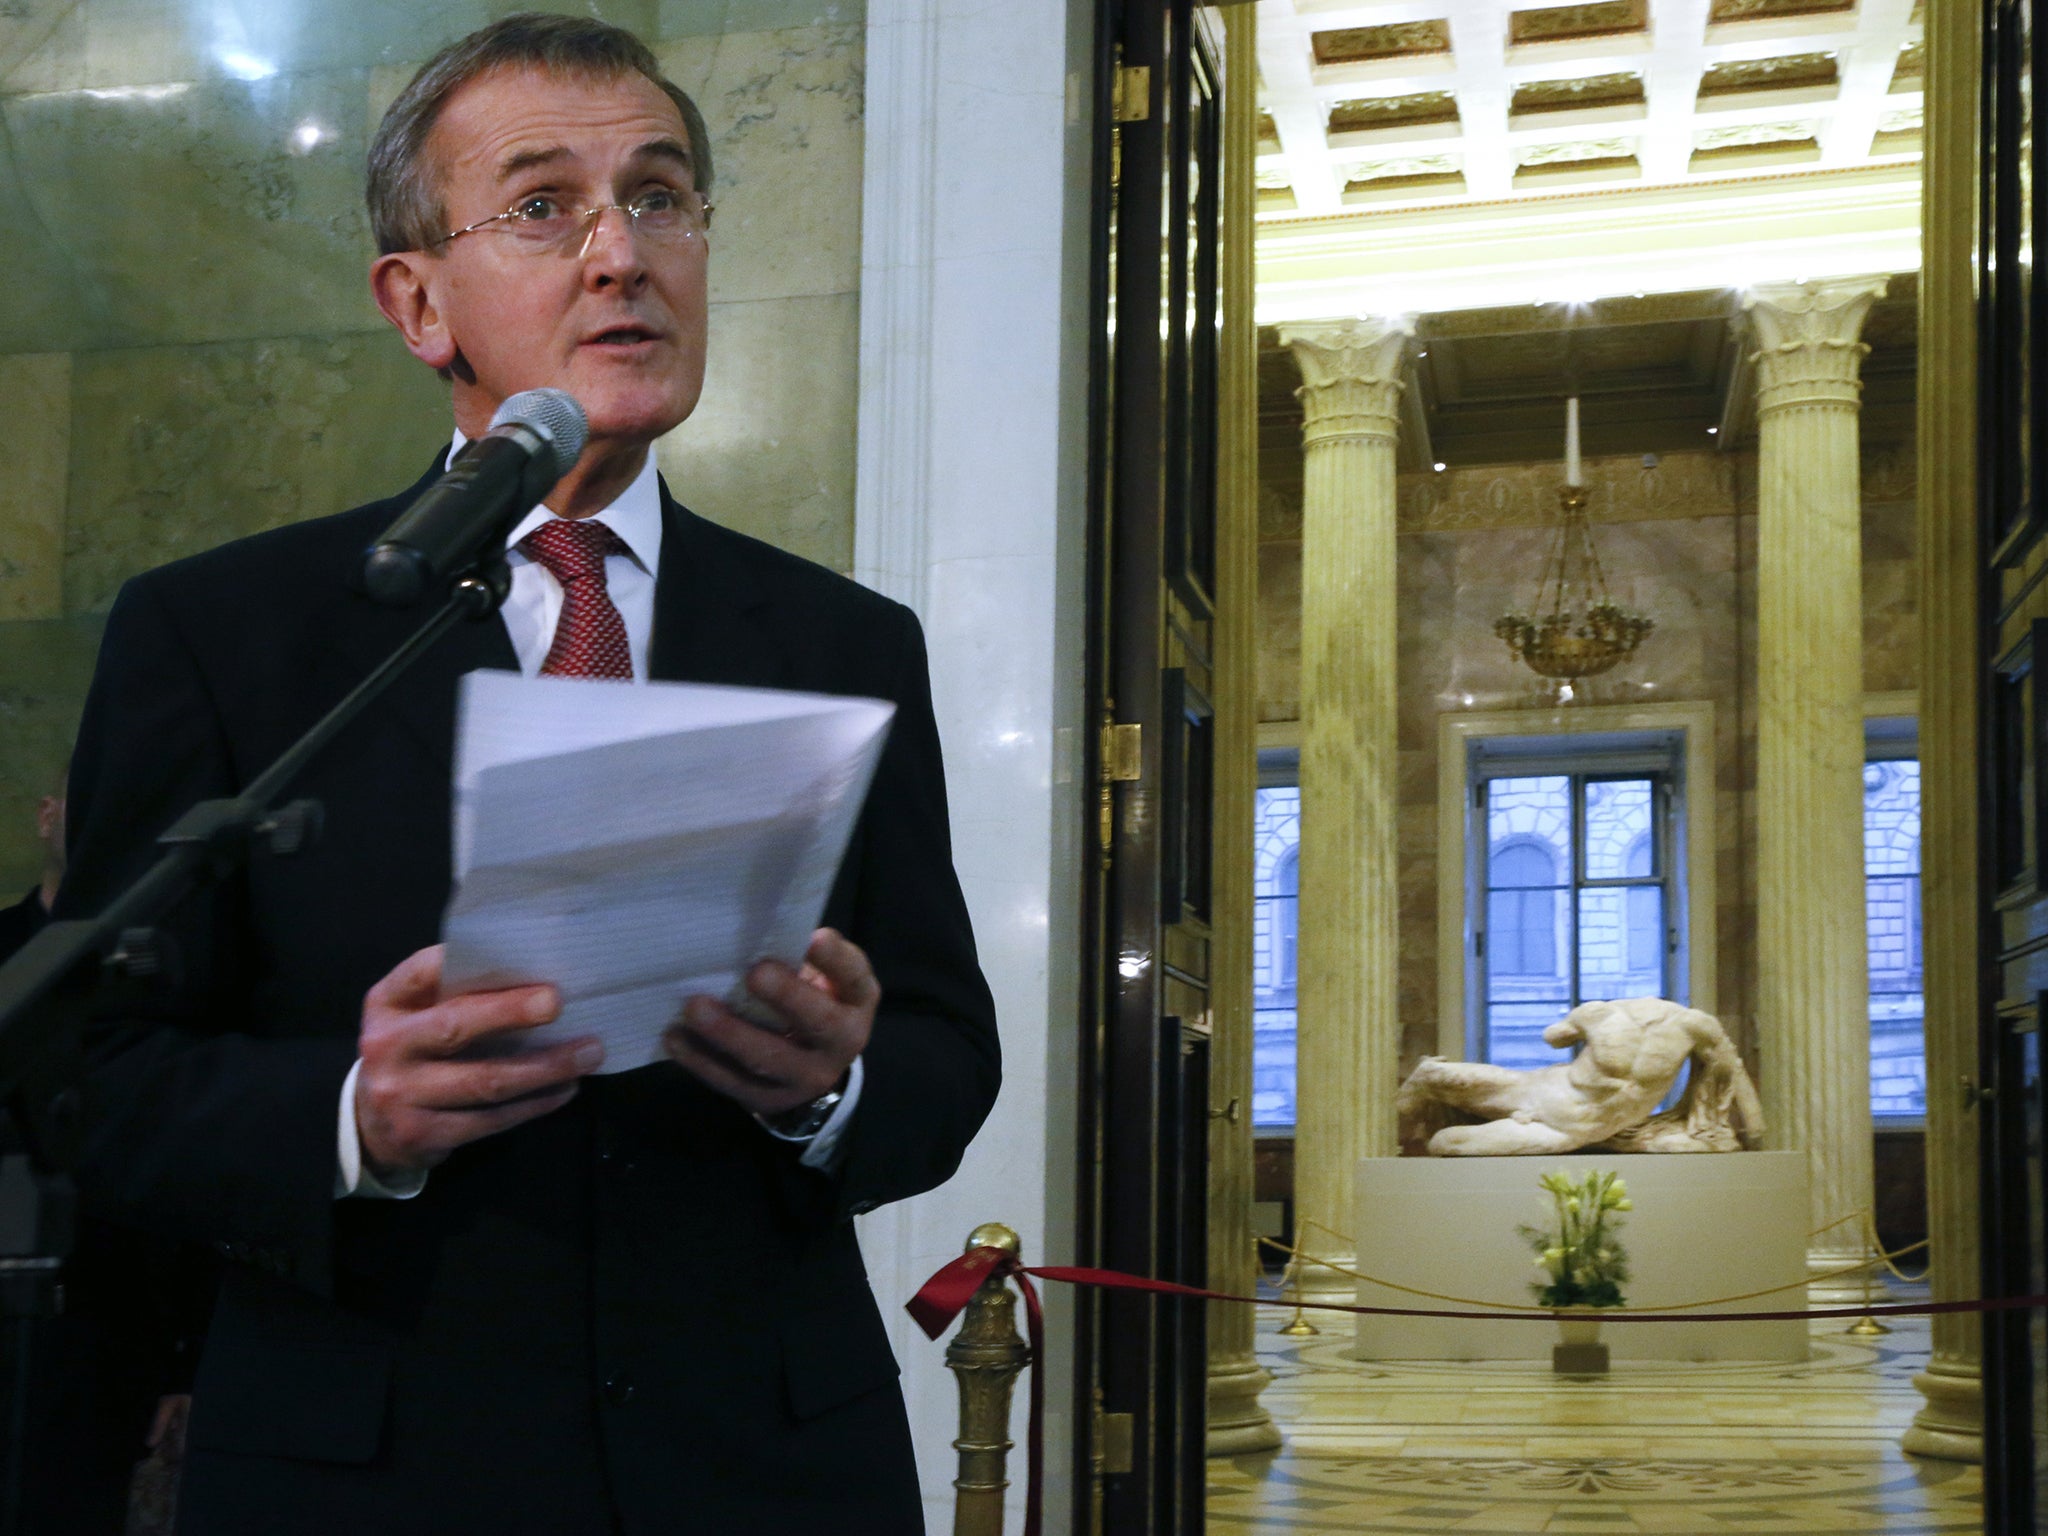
(292, 1400)
(834, 1354)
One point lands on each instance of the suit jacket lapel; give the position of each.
(422, 699)
(710, 613)
(710, 626)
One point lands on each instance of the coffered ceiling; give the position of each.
(1446, 154)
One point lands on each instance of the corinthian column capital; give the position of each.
(1809, 346)
(1351, 375)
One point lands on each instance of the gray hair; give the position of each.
(404, 193)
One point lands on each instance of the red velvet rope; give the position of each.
(944, 1297)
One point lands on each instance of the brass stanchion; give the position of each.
(1297, 1326)
(1866, 1326)
(986, 1356)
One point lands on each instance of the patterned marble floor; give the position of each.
(1681, 1450)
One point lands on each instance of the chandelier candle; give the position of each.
(1575, 628)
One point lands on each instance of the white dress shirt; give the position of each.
(531, 613)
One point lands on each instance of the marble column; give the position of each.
(1951, 1424)
(1348, 1029)
(1237, 1421)
(1812, 963)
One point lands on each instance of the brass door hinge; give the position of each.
(1133, 103)
(1116, 1437)
(1123, 753)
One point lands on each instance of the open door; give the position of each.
(1143, 1363)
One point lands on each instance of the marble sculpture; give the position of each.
(1604, 1099)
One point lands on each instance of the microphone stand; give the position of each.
(46, 991)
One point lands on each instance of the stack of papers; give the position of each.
(637, 845)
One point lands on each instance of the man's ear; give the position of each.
(402, 284)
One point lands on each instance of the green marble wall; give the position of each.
(188, 351)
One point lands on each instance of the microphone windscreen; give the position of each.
(552, 414)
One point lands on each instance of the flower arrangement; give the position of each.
(1580, 1251)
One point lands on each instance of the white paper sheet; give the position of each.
(638, 844)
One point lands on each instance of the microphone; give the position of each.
(496, 480)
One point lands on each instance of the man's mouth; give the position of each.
(623, 336)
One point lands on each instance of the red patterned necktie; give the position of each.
(590, 637)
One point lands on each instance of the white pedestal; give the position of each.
(1704, 1224)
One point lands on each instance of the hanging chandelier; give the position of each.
(1575, 628)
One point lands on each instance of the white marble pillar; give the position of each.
(1348, 1039)
(969, 506)
(1813, 1004)
(1951, 1423)
(1238, 1423)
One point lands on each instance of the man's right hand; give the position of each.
(417, 1099)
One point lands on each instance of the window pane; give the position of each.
(1646, 938)
(1514, 1034)
(1898, 1058)
(1530, 813)
(1521, 863)
(1273, 1067)
(1523, 933)
(1276, 886)
(1621, 951)
(1618, 842)
(1891, 858)
(1891, 818)
(1528, 916)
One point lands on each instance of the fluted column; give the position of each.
(1951, 1424)
(1237, 1421)
(1347, 1020)
(1813, 967)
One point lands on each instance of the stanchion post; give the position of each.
(1866, 1326)
(986, 1356)
(1297, 1326)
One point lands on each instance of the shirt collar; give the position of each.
(635, 516)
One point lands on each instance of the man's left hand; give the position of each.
(821, 1017)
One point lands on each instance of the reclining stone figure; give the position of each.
(1604, 1099)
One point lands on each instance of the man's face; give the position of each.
(621, 326)
(50, 830)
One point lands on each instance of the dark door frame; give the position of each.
(1142, 1363)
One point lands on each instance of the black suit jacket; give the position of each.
(21, 922)
(639, 1313)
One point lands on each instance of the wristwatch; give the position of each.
(806, 1120)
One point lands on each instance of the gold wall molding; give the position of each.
(1562, 23)
(1393, 40)
(1379, 113)
(1620, 488)
(1578, 94)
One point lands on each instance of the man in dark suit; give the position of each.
(505, 1295)
(24, 920)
